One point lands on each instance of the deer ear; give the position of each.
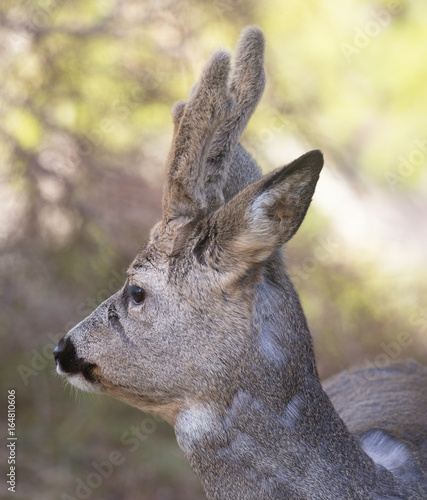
(262, 217)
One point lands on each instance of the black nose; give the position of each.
(66, 357)
(58, 349)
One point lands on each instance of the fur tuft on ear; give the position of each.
(262, 217)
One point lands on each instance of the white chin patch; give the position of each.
(80, 382)
(58, 370)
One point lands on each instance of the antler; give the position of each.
(195, 125)
(246, 86)
(208, 127)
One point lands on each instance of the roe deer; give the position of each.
(208, 331)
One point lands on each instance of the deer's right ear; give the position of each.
(262, 217)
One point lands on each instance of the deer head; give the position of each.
(206, 302)
(208, 332)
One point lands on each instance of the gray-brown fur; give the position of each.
(208, 331)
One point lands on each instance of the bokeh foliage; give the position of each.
(86, 92)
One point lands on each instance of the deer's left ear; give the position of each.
(262, 217)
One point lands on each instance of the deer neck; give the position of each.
(278, 436)
(254, 450)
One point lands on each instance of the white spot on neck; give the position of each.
(193, 424)
(386, 450)
(269, 324)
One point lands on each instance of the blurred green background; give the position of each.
(85, 98)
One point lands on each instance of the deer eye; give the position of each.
(137, 294)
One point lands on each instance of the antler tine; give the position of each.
(195, 124)
(246, 86)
